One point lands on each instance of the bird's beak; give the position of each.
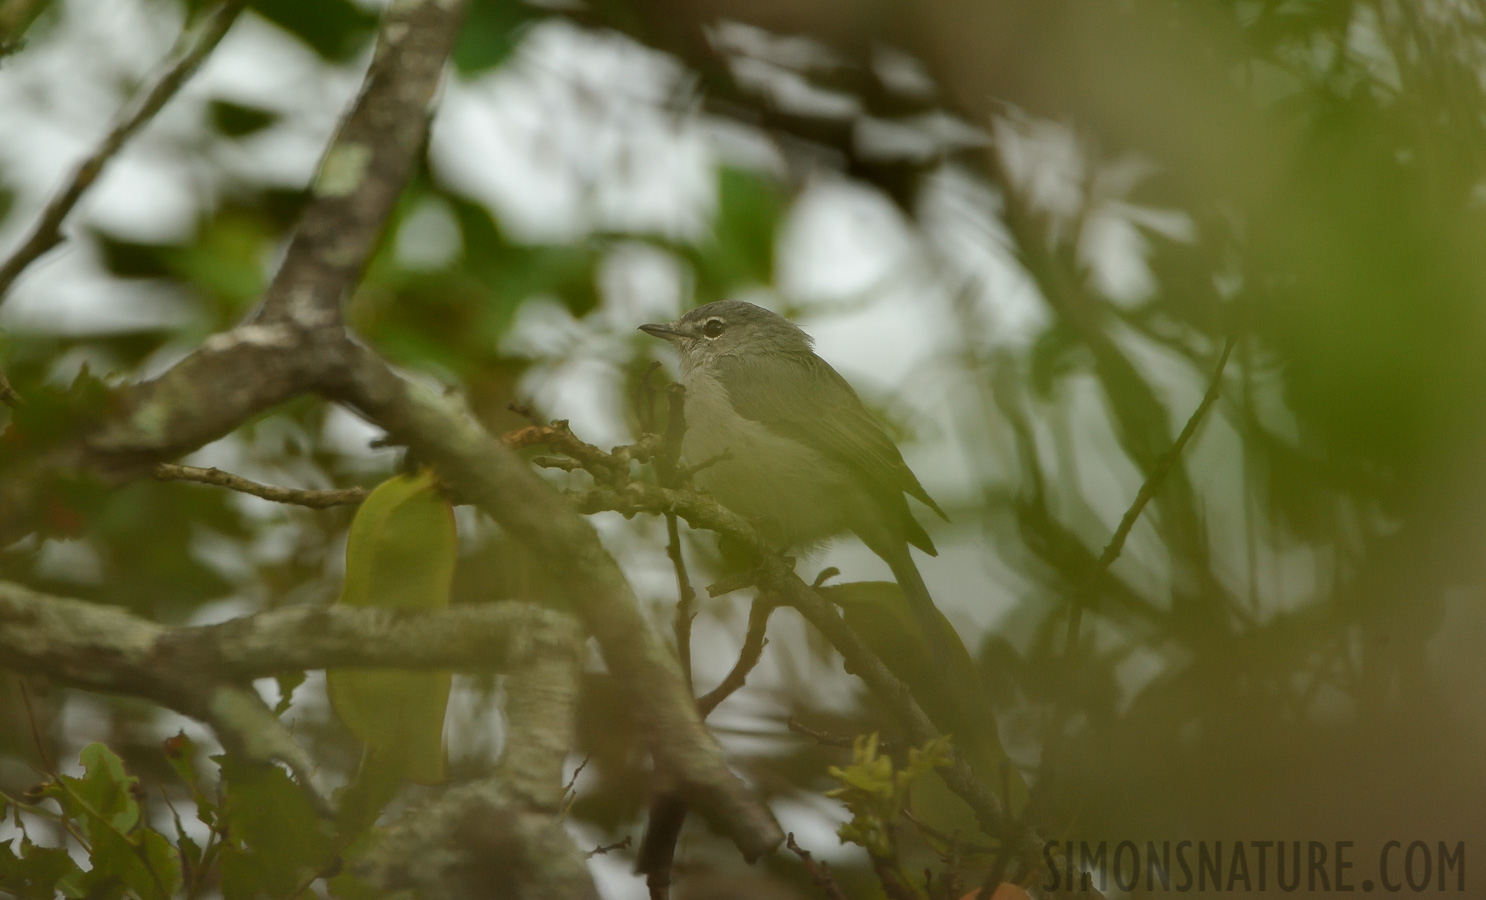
(664, 332)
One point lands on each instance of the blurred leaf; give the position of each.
(287, 683)
(335, 29)
(740, 250)
(951, 691)
(236, 120)
(1054, 355)
(876, 792)
(103, 797)
(399, 555)
(122, 854)
(455, 319)
(275, 841)
(34, 872)
(492, 29)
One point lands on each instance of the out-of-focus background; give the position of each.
(1023, 229)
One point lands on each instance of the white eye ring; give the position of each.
(712, 327)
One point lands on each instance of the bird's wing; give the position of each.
(805, 399)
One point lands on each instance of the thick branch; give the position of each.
(482, 471)
(239, 374)
(188, 55)
(366, 165)
(104, 648)
(502, 836)
(233, 377)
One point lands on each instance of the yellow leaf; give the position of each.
(399, 555)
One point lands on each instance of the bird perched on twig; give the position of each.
(804, 459)
(792, 448)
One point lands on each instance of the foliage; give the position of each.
(1294, 615)
(399, 555)
(876, 792)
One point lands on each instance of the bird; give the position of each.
(783, 440)
(791, 447)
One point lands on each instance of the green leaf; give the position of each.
(951, 691)
(236, 120)
(124, 857)
(492, 28)
(335, 29)
(102, 800)
(163, 861)
(275, 841)
(181, 752)
(35, 872)
(741, 250)
(287, 683)
(399, 555)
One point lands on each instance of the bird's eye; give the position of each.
(712, 328)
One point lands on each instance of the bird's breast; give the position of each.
(794, 494)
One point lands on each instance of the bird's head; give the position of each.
(730, 328)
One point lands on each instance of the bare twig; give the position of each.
(820, 873)
(187, 56)
(826, 739)
(602, 849)
(748, 657)
(1164, 464)
(297, 497)
(685, 602)
(8, 394)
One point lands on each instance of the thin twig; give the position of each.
(826, 739)
(1085, 590)
(685, 601)
(667, 814)
(666, 471)
(609, 848)
(748, 657)
(820, 873)
(8, 394)
(46, 760)
(295, 496)
(1164, 464)
(188, 54)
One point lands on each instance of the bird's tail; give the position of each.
(940, 635)
(966, 706)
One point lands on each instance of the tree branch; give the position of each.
(238, 374)
(105, 648)
(776, 578)
(366, 166)
(310, 498)
(748, 657)
(188, 54)
(481, 470)
(502, 836)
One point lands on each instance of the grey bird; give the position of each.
(805, 459)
